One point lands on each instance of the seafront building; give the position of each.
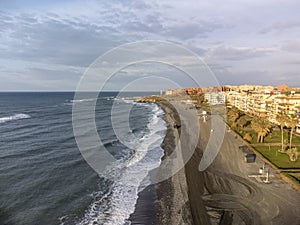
(265, 102)
(256, 100)
(215, 98)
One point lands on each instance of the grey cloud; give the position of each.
(219, 68)
(229, 76)
(141, 5)
(48, 74)
(57, 41)
(35, 78)
(237, 53)
(138, 26)
(259, 77)
(152, 20)
(4, 16)
(280, 26)
(76, 33)
(185, 32)
(295, 62)
(291, 46)
(291, 78)
(190, 30)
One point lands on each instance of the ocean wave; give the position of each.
(68, 103)
(115, 207)
(83, 100)
(14, 117)
(124, 100)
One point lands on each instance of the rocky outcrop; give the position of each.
(151, 99)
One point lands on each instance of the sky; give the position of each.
(50, 45)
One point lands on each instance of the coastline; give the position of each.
(222, 194)
(173, 204)
(165, 202)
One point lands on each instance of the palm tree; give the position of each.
(242, 121)
(234, 125)
(292, 122)
(261, 127)
(234, 114)
(282, 119)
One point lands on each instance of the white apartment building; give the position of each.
(215, 98)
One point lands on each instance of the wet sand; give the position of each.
(146, 210)
(222, 194)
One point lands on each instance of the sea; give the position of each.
(44, 179)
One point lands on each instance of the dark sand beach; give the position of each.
(222, 194)
(165, 202)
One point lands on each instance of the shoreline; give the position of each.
(173, 205)
(165, 202)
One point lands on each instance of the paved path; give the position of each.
(273, 144)
(243, 200)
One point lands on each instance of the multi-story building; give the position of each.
(298, 114)
(262, 101)
(215, 98)
(266, 103)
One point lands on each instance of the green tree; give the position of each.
(282, 119)
(292, 122)
(262, 127)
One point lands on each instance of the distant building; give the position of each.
(185, 91)
(282, 88)
(298, 114)
(175, 92)
(169, 92)
(215, 98)
(193, 91)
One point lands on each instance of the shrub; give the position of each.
(248, 137)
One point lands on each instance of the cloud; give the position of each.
(225, 52)
(192, 30)
(262, 77)
(44, 39)
(292, 46)
(280, 27)
(56, 40)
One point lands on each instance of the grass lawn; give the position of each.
(273, 137)
(294, 176)
(280, 160)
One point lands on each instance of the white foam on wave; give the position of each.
(116, 206)
(14, 117)
(75, 101)
(125, 100)
(83, 100)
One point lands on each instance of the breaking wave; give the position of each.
(14, 117)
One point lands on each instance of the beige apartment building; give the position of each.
(265, 103)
